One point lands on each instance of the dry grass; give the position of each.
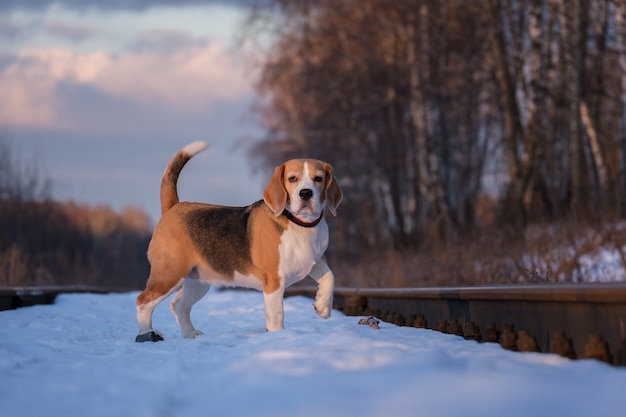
(566, 252)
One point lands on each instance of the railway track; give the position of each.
(574, 320)
(17, 297)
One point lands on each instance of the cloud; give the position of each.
(29, 84)
(19, 29)
(135, 5)
(71, 32)
(107, 90)
(9, 29)
(164, 40)
(179, 77)
(37, 84)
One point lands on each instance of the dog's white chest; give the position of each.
(301, 248)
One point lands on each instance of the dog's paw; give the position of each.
(193, 334)
(322, 311)
(151, 336)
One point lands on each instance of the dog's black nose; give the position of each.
(306, 194)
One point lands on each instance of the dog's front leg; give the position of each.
(325, 287)
(274, 313)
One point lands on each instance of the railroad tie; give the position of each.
(420, 322)
(597, 348)
(472, 331)
(526, 342)
(455, 328)
(491, 333)
(508, 339)
(562, 345)
(442, 326)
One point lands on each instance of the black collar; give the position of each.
(299, 222)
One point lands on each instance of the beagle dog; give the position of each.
(267, 245)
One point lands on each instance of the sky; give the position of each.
(102, 93)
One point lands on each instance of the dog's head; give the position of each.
(304, 187)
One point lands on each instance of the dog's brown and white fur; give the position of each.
(267, 245)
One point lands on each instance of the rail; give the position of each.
(574, 320)
(17, 297)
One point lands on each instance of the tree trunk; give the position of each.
(620, 20)
(569, 42)
(429, 180)
(594, 146)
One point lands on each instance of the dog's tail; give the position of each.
(169, 192)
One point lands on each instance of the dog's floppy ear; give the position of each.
(275, 194)
(334, 195)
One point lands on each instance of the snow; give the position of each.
(78, 358)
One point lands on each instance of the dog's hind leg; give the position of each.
(165, 278)
(146, 303)
(192, 290)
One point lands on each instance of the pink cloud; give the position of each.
(196, 75)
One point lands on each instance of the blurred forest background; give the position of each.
(45, 242)
(475, 141)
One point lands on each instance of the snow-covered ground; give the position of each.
(78, 358)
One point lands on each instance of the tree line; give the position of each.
(444, 117)
(46, 242)
(53, 243)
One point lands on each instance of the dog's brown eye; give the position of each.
(293, 178)
(318, 179)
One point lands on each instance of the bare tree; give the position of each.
(19, 179)
(414, 102)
